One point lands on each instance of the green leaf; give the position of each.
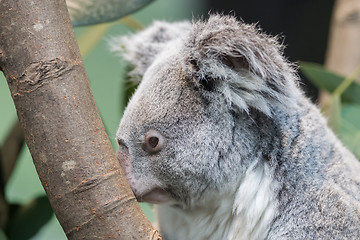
(350, 127)
(334, 110)
(321, 77)
(2, 235)
(87, 12)
(329, 81)
(28, 219)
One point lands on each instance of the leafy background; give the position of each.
(105, 72)
(342, 105)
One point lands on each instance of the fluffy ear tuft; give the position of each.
(140, 49)
(245, 65)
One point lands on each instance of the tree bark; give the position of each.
(343, 53)
(63, 130)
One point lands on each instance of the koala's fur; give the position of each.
(246, 155)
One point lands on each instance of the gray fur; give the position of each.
(246, 155)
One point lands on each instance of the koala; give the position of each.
(221, 138)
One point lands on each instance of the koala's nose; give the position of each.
(123, 155)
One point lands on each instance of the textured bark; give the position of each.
(343, 54)
(63, 130)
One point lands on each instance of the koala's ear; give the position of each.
(247, 66)
(140, 49)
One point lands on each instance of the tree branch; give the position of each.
(10, 151)
(63, 130)
(343, 53)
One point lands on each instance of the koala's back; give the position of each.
(329, 208)
(333, 214)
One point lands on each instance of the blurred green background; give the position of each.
(105, 72)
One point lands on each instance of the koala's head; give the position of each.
(188, 129)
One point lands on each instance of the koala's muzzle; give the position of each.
(143, 188)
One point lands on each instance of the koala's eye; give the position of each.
(153, 142)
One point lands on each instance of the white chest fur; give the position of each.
(245, 214)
